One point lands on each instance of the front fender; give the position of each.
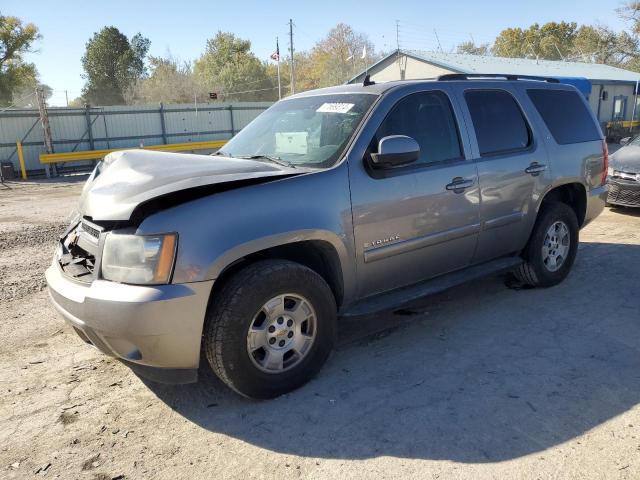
(215, 231)
(230, 256)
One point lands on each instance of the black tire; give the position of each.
(232, 311)
(533, 270)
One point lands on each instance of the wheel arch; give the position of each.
(573, 194)
(318, 251)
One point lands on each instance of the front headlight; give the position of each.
(139, 259)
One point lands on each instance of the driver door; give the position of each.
(418, 221)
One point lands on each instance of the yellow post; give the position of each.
(23, 169)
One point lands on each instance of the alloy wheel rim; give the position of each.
(282, 333)
(556, 245)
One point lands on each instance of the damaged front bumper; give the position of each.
(156, 330)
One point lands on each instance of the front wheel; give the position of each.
(552, 247)
(270, 328)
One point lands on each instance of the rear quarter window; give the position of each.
(566, 115)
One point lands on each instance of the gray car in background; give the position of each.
(334, 202)
(624, 175)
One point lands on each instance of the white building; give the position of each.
(611, 91)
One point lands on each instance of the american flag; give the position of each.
(276, 55)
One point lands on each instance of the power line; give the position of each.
(14, 105)
(250, 91)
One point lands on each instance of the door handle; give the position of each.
(535, 169)
(459, 184)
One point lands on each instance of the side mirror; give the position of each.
(395, 151)
(625, 141)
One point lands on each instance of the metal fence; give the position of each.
(92, 128)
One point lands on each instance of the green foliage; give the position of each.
(77, 102)
(112, 64)
(170, 81)
(565, 41)
(230, 68)
(551, 41)
(603, 45)
(338, 57)
(471, 48)
(16, 39)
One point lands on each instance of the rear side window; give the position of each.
(567, 117)
(426, 117)
(498, 121)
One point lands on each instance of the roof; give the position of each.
(466, 63)
(382, 87)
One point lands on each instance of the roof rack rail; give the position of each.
(506, 76)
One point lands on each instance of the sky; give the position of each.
(182, 27)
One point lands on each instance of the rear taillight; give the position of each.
(605, 161)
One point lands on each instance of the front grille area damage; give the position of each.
(79, 251)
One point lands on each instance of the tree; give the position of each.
(630, 11)
(229, 67)
(16, 39)
(338, 57)
(551, 41)
(77, 102)
(304, 79)
(602, 45)
(471, 48)
(112, 64)
(170, 81)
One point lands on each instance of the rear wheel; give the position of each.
(270, 328)
(552, 247)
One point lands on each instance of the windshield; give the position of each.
(309, 131)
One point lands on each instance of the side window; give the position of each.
(565, 114)
(427, 117)
(498, 121)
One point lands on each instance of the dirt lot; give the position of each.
(483, 382)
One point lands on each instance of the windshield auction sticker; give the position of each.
(335, 107)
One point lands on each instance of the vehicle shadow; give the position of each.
(630, 211)
(482, 373)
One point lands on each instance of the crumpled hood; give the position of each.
(127, 178)
(627, 159)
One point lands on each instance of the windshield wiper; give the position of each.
(270, 158)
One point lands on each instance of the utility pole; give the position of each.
(293, 70)
(44, 120)
(398, 46)
(278, 60)
(66, 96)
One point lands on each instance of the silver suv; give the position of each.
(334, 202)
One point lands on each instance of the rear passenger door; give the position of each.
(513, 169)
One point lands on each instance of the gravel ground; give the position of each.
(480, 382)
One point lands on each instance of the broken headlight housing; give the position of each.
(139, 259)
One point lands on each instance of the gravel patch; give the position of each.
(26, 253)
